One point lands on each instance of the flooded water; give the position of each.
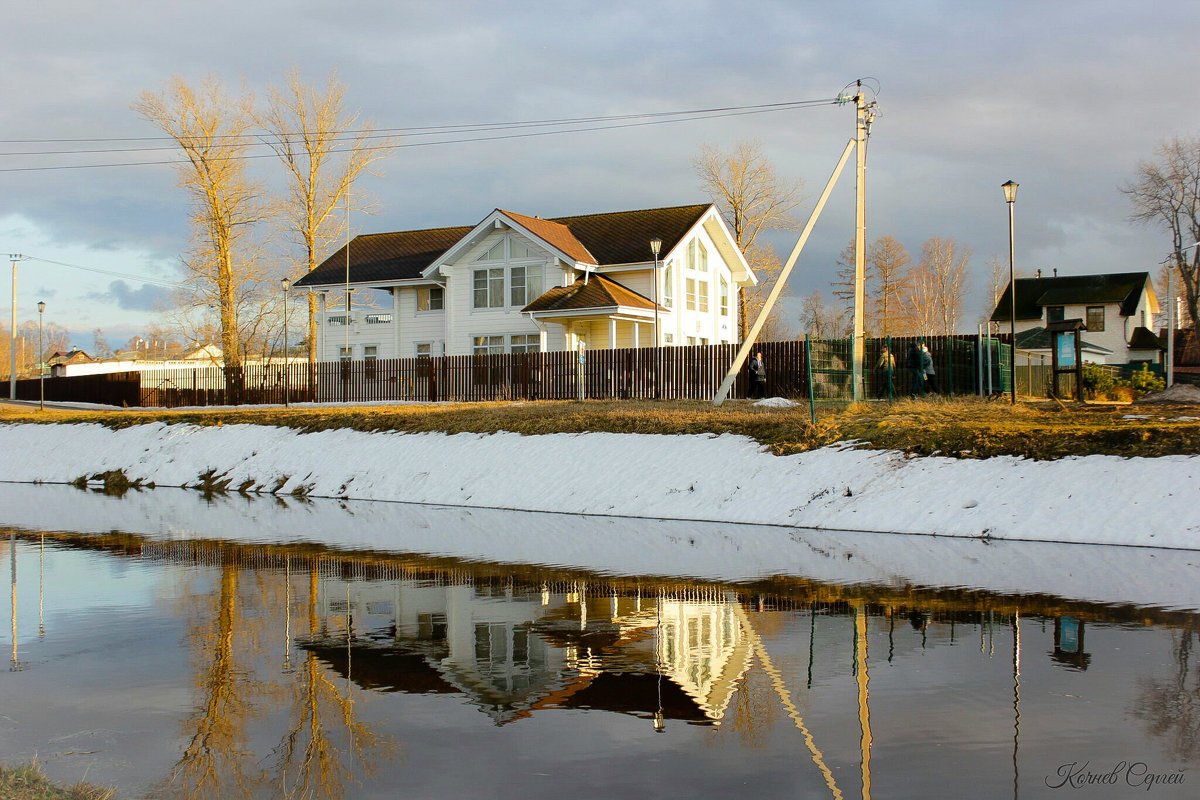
(173, 645)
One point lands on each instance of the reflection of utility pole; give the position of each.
(1016, 694)
(864, 710)
(12, 555)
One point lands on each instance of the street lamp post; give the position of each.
(286, 284)
(656, 248)
(1010, 197)
(41, 361)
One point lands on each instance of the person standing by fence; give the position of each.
(758, 377)
(884, 371)
(916, 371)
(927, 367)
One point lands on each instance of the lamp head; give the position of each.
(286, 284)
(656, 246)
(1010, 191)
(41, 306)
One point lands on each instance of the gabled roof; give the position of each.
(619, 237)
(554, 233)
(1033, 294)
(1145, 339)
(385, 256)
(596, 292)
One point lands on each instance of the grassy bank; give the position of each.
(965, 427)
(27, 782)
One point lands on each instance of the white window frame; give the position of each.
(487, 344)
(702, 296)
(432, 297)
(668, 293)
(690, 286)
(724, 300)
(428, 349)
(492, 288)
(531, 343)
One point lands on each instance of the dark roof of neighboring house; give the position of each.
(1145, 339)
(619, 237)
(1033, 294)
(1040, 339)
(595, 291)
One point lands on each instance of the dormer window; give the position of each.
(1056, 313)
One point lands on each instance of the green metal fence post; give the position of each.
(812, 403)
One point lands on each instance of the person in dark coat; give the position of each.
(915, 370)
(885, 369)
(758, 377)
(927, 367)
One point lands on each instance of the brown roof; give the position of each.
(618, 237)
(555, 234)
(595, 292)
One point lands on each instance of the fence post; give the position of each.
(812, 403)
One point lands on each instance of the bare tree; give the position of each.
(843, 282)
(890, 266)
(753, 198)
(1166, 192)
(323, 149)
(214, 132)
(821, 321)
(939, 285)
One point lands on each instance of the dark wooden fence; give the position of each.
(819, 369)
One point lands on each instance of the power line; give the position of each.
(606, 123)
(113, 273)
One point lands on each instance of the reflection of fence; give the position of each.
(816, 368)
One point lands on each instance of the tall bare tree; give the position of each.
(214, 131)
(890, 266)
(1166, 193)
(820, 320)
(939, 286)
(323, 149)
(753, 198)
(843, 282)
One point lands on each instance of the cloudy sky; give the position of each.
(1064, 98)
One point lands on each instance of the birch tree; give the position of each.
(214, 131)
(939, 286)
(890, 266)
(323, 149)
(1166, 194)
(752, 197)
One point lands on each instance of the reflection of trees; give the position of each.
(218, 760)
(214, 760)
(1172, 706)
(308, 762)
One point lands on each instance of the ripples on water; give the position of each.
(177, 649)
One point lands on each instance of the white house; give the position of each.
(514, 283)
(1117, 308)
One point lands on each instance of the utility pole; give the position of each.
(864, 117)
(12, 373)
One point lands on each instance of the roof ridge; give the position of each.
(633, 211)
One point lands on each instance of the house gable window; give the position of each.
(724, 297)
(431, 298)
(697, 256)
(1056, 313)
(488, 288)
(1095, 318)
(668, 292)
(525, 285)
(702, 296)
(690, 283)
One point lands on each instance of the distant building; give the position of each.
(59, 362)
(1117, 308)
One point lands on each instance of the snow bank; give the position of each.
(1096, 499)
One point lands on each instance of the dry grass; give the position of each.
(965, 427)
(27, 782)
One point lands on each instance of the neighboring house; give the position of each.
(59, 363)
(514, 283)
(1118, 310)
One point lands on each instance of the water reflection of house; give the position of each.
(1068, 643)
(515, 653)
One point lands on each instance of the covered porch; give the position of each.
(598, 313)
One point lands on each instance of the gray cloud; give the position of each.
(127, 298)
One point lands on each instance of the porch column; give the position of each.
(542, 336)
(637, 327)
(612, 333)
